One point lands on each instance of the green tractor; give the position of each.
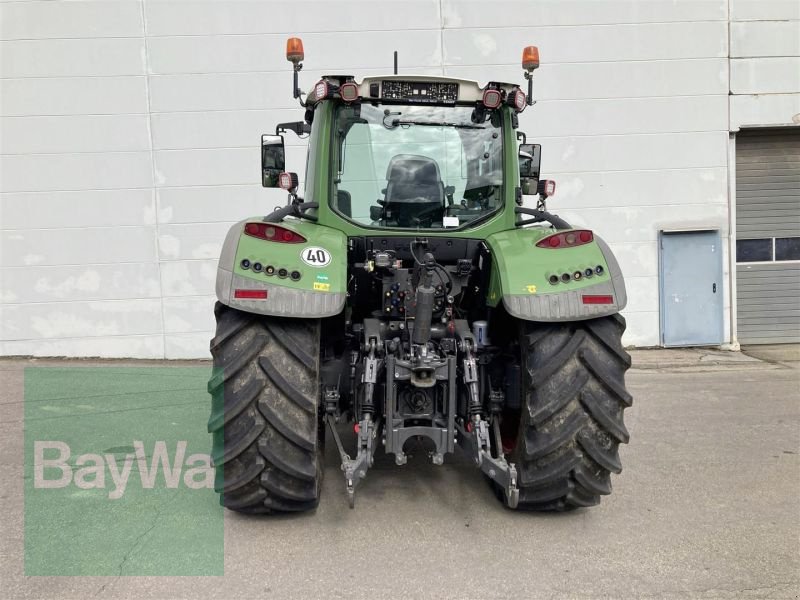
(411, 294)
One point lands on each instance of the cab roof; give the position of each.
(469, 90)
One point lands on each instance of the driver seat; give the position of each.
(414, 187)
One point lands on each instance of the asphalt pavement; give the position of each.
(707, 506)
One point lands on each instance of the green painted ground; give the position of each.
(78, 520)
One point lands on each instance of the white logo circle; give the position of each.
(315, 257)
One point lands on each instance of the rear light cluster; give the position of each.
(577, 275)
(568, 239)
(273, 233)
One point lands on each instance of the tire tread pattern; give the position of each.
(264, 417)
(572, 421)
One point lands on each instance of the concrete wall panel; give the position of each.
(83, 19)
(73, 96)
(72, 283)
(79, 209)
(78, 171)
(72, 57)
(76, 133)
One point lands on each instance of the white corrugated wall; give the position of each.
(129, 136)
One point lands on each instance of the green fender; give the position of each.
(521, 274)
(319, 266)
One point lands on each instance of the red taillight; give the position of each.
(492, 98)
(566, 239)
(273, 233)
(348, 91)
(598, 299)
(321, 90)
(250, 294)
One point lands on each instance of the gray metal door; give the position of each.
(768, 236)
(691, 288)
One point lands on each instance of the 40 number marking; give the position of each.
(316, 257)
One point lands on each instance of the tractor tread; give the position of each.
(603, 417)
(290, 343)
(264, 416)
(239, 479)
(295, 395)
(542, 444)
(237, 401)
(571, 423)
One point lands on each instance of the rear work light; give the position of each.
(321, 90)
(598, 299)
(492, 98)
(273, 233)
(348, 92)
(250, 294)
(517, 99)
(546, 187)
(288, 181)
(566, 239)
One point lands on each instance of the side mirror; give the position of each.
(273, 160)
(530, 158)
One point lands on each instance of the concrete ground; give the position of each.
(708, 506)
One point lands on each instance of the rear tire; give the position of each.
(264, 412)
(571, 422)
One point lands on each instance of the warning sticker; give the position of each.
(322, 287)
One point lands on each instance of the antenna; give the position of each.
(395, 62)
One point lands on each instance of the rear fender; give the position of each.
(521, 274)
(321, 262)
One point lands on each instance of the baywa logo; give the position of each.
(52, 468)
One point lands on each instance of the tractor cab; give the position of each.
(410, 151)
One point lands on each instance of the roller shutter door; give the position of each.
(768, 235)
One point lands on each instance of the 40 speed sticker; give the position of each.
(316, 257)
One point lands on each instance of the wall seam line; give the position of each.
(154, 187)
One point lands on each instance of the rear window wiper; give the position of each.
(397, 122)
